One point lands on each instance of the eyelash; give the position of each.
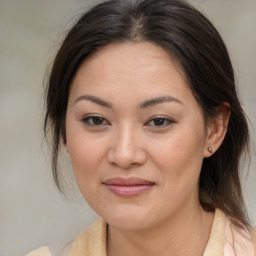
(91, 118)
(164, 121)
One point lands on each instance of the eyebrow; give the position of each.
(94, 99)
(145, 104)
(159, 100)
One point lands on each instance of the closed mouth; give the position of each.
(128, 187)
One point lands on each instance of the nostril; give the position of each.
(126, 159)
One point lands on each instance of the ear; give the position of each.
(217, 128)
(66, 147)
(63, 136)
(65, 144)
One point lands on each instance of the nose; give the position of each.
(126, 150)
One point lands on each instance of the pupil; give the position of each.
(159, 121)
(97, 120)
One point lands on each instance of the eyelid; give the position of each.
(90, 116)
(167, 118)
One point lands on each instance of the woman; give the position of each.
(142, 96)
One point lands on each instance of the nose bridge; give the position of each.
(125, 142)
(126, 149)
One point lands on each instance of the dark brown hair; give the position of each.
(202, 55)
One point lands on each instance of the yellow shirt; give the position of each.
(223, 239)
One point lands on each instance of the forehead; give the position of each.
(131, 56)
(130, 68)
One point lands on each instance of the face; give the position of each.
(136, 136)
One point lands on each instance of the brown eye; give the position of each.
(95, 121)
(159, 122)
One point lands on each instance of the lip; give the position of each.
(128, 187)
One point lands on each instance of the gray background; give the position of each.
(32, 212)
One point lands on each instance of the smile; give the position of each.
(128, 187)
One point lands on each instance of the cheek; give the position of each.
(179, 161)
(84, 156)
(180, 155)
(85, 159)
(83, 147)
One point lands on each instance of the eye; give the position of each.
(159, 121)
(95, 120)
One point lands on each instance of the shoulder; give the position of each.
(91, 240)
(43, 251)
(253, 232)
(54, 250)
(61, 249)
(240, 240)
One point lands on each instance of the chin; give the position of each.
(130, 224)
(129, 219)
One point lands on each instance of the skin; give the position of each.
(163, 142)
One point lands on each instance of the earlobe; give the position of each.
(210, 149)
(217, 128)
(66, 147)
(64, 139)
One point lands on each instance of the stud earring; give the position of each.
(210, 149)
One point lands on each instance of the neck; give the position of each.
(186, 233)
